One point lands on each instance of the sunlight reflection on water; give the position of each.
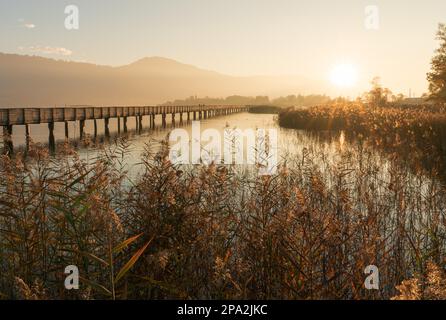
(327, 151)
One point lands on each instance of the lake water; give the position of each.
(294, 146)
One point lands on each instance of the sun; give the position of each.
(344, 75)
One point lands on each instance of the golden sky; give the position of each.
(329, 41)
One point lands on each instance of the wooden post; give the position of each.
(95, 128)
(51, 140)
(81, 128)
(27, 138)
(107, 130)
(164, 120)
(7, 138)
(125, 124)
(66, 130)
(188, 116)
(119, 125)
(140, 123)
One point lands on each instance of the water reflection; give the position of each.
(326, 150)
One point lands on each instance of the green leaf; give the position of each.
(125, 243)
(77, 180)
(88, 255)
(131, 262)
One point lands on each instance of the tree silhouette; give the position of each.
(437, 76)
(377, 96)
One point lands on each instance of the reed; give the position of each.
(415, 135)
(214, 232)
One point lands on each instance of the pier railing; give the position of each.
(26, 116)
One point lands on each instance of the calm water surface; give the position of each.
(295, 147)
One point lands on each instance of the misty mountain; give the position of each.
(37, 81)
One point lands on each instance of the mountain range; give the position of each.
(33, 81)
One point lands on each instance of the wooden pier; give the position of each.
(27, 116)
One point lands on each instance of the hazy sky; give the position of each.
(237, 37)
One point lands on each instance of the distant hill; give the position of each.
(37, 81)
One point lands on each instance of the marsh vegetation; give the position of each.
(220, 232)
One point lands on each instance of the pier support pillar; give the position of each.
(95, 128)
(163, 120)
(81, 128)
(51, 140)
(107, 129)
(66, 130)
(153, 121)
(140, 123)
(27, 138)
(125, 124)
(7, 138)
(119, 125)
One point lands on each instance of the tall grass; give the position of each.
(213, 232)
(415, 135)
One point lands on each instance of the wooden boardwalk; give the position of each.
(27, 116)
